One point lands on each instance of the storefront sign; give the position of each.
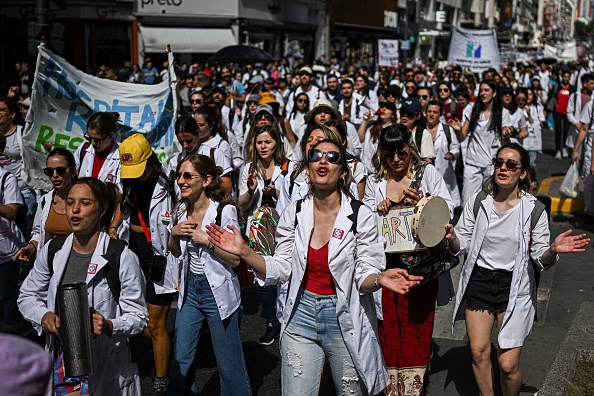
(390, 19)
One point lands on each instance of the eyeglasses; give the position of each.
(402, 154)
(424, 97)
(98, 142)
(60, 170)
(316, 155)
(511, 165)
(444, 90)
(198, 101)
(302, 100)
(187, 176)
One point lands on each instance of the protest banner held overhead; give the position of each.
(388, 53)
(562, 52)
(63, 98)
(474, 49)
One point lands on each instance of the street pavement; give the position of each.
(561, 292)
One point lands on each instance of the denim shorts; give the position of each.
(488, 290)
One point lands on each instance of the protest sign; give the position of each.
(474, 49)
(388, 53)
(566, 52)
(396, 228)
(63, 98)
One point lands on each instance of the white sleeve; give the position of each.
(436, 186)
(571, 110)
(222, 161)
(586, 115)
(32, 299)
(540, 240)
(370, 190)
(243, 179)
(354, 145)
(11, 193)
(427, 150)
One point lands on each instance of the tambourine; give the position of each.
(430, 216)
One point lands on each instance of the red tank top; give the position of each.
(562, 100)
(317, 278)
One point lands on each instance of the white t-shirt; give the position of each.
(518, 121)
(500, 246)
(483, 142)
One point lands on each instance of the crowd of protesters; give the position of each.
(312, 142)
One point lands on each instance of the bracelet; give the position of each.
(31, 243)
(375, 282)
(112, 226)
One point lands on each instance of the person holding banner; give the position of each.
(50, 219)
(329, 312)
(191, 135)
(99, 157)
(81, 257)
(505, 249)
(209, 288)
(147, 201)
(405, 321)
(488, 124)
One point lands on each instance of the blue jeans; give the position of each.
(9, 292)
(268, 300)
(200, 305)
(312, 336)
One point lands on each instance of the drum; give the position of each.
(429, 219)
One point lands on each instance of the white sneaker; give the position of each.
(558, 155)
(564, 153)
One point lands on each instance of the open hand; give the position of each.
(252, 181)
(567, 243)
(398, 280)
(231, 242)
(455, 124)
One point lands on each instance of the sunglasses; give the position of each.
(410, 87)
(60, 170)
(511, 165)
(407, 114)
(263, 115)
(424, 97)
(302, 100)
(316, 155)
(444, 90)
(98, 142)
(402, 154)
(198, 101)
(187, 176)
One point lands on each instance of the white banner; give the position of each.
(63, 98)
(388, 53)
(563, 52)
(474, 49)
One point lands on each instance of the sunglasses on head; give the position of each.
(60, 170)
(198, 101)
(402, 154)
(98, 142)
(316, 155)
(511, 165)
(186, 176)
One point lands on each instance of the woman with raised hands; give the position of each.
(329, 312)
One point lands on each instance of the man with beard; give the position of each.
(455, 78)
(349, 108)
(313, 93)
(333, 90)
(234, 89)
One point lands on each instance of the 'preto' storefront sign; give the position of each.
(223, 8)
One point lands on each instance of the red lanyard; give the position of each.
(147, 234)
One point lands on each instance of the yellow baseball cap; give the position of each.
(134, 151)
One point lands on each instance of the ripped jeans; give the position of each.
(312, 336)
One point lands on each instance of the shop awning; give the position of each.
(185, 40)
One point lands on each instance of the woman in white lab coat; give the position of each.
(334, 271)
(89, 208)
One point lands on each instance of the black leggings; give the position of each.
(561, 130)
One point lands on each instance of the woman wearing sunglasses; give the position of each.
(50, 218)
(98, 157)
(81, 257)
(517, 117)
(296, 118)
(451, 109)
(488, 124)
(371, 130)
(147, 200)
(191, 137)
(209, 288)
(497, 280)
(406, 322)
(329, 312)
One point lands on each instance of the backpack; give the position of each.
(419, 138)
(82, 153)
(355, 205)
(112, 255)
(20, 218)
(539, 207)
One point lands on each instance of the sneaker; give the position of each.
(564, 153)
(558, 155)
(271, 333)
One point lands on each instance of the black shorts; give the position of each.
(140, 246)
(488, 290)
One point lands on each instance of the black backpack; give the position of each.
(21, 215)
(112, 268)
(355, 205)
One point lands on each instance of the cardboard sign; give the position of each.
(396, 228)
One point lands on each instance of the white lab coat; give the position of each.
(521, 308)
(160, 218)
(357, 111)
(221, 277)
(277, 179)
(351, 260)
(114, 373)
(444, 167)
(110, 171)
(431, 184)
(38, 232)
(574, 111)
